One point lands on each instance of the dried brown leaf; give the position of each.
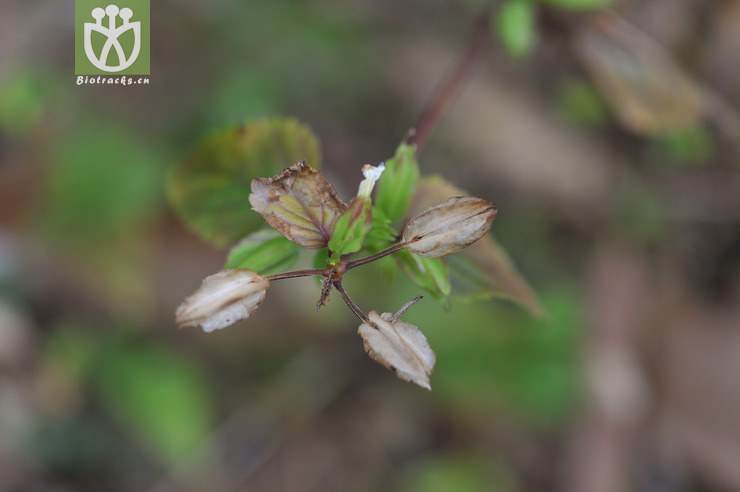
(300, 203)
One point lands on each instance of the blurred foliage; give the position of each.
(689, 147)
(23, 99)
(579, 4)
(159, 395)
(106, 181)
(510, 362)
(460, 473)
(515, 24)
(210, 189)
(579, 102)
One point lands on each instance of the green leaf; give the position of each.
(579, 4)
(351, 228)
(161, 396)
(210, 189)
(397, 184)
(431, 274)
(300, 203)
(265, 252)
(516, 27)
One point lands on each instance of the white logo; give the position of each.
(112, 33)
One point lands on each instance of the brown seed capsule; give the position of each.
(399, 346)
(223, 299)
(449, 227)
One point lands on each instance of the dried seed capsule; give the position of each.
(399, 346)
(449, 227)
(223, 299)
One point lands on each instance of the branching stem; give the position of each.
(348, 300)
(321, 272)
(369, 259)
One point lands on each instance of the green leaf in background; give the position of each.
(396, 186)
(210, 189)
(580, 102)
(579, 4)
(515, 23)
(106, 181)
(489, 262)
(458, 473)
(161, 396)
(23, 98)
(265, 252)
(431, 274)
(351, 228)
(498, 359)
(685, 147)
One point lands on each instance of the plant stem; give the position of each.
(368, 259)
(348, 300)
(296, 273)
(450, 86)
(405, 307)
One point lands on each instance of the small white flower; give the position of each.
(223, 299)
(372, 174)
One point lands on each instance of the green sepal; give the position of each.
(381, 234)
(351, 228)
(396, 186)
(431, 274)
(265, 252)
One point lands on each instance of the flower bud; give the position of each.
(449, 227)
(223, 299)
(398, 346)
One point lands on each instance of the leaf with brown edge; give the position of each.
(300, 203)
(398, 346)
(491, 264)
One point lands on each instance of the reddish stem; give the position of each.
(451, 84)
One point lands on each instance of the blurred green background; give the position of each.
(608, 140)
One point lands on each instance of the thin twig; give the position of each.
(368, 259)
(451, 85)
(297, 273)
(405, 307)
(348, 300)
